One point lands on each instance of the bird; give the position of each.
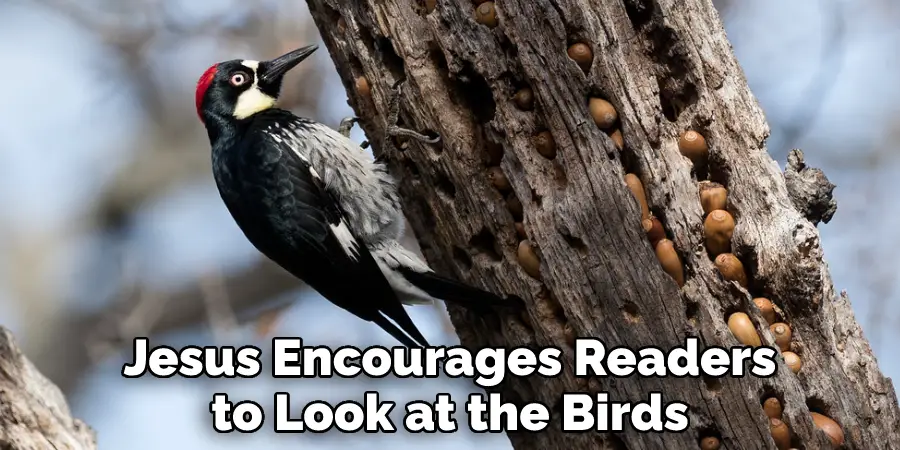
(306, 197)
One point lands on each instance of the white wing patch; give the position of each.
(346, 239)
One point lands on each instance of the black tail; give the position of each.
(456, 292)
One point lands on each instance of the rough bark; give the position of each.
(667, 67)
(33, 412)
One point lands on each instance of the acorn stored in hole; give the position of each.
(766, 308)
(780, 434)
(710, 443)
(528, 259)
(498, 179)
(581, 53)
(654, 229)
(830, 427)
(742, 328)
(514, 206)
(637, 189)
(524, 99)
(486, 14)
(772, 408)
(363, 88)
(545, 144)
(718, 228)
(430, 5)
(671, 262)
(617, 138)
(782, 333)
(731, 268)
(693, 145)
(603, 112)
(713, 196)
(793, 361)
(520, 230)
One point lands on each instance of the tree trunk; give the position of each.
(666, 67)
(33, 413)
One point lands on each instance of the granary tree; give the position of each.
(606, 162)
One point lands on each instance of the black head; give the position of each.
(237, 89)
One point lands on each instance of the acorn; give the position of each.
(528, 259)
(486, 14)
(637, 188)
(830, 427)
(780, 434)
(654, 229)
(693, 145)
(671, 263)
(742, 328)
(603, 112)
(731, 268)
(498, 179)
(520, 230)
(581, 54)
(545, 145)
(514, 206)
(772, 408)
(617, 138)
(363, 88)
(524, 99)
(793, 361)
(766, 308)
(710, 443)
(712, 196)
(430, 5)
(782, 334)
(718, 228)
(342, 24)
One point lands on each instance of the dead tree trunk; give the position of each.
(666, 67)
(33, 413)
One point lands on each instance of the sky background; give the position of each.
(72, 117)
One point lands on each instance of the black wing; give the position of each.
(293, 218)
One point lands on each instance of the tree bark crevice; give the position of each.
(666, 67)
(33, 412)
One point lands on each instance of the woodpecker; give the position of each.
(308, 198)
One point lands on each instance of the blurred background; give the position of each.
(113, 226)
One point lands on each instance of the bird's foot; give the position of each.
(347, 125)
(391, 127)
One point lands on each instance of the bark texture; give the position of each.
(33, 412)
(666, 66)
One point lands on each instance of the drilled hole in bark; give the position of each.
(389, 58)
(631, 312)
(425, 7)
(462, 258)
(713, 384)
(485, 243)
(616, 443)
(514, 206)
(575, 242)
(748, 257)
(493, 153)
(708, 433)
(536, 198)
(445, 186)
(424, 211)
(334, 17)
(476, 94)
(818, 405)
(639, 12)
(692, 311)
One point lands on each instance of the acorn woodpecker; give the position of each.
(311, 200)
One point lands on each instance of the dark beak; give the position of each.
(273, 69)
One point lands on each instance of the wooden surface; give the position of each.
(33, 413)
(667, 67)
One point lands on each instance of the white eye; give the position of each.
(239, 78)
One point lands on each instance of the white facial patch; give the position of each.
(252, 100)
